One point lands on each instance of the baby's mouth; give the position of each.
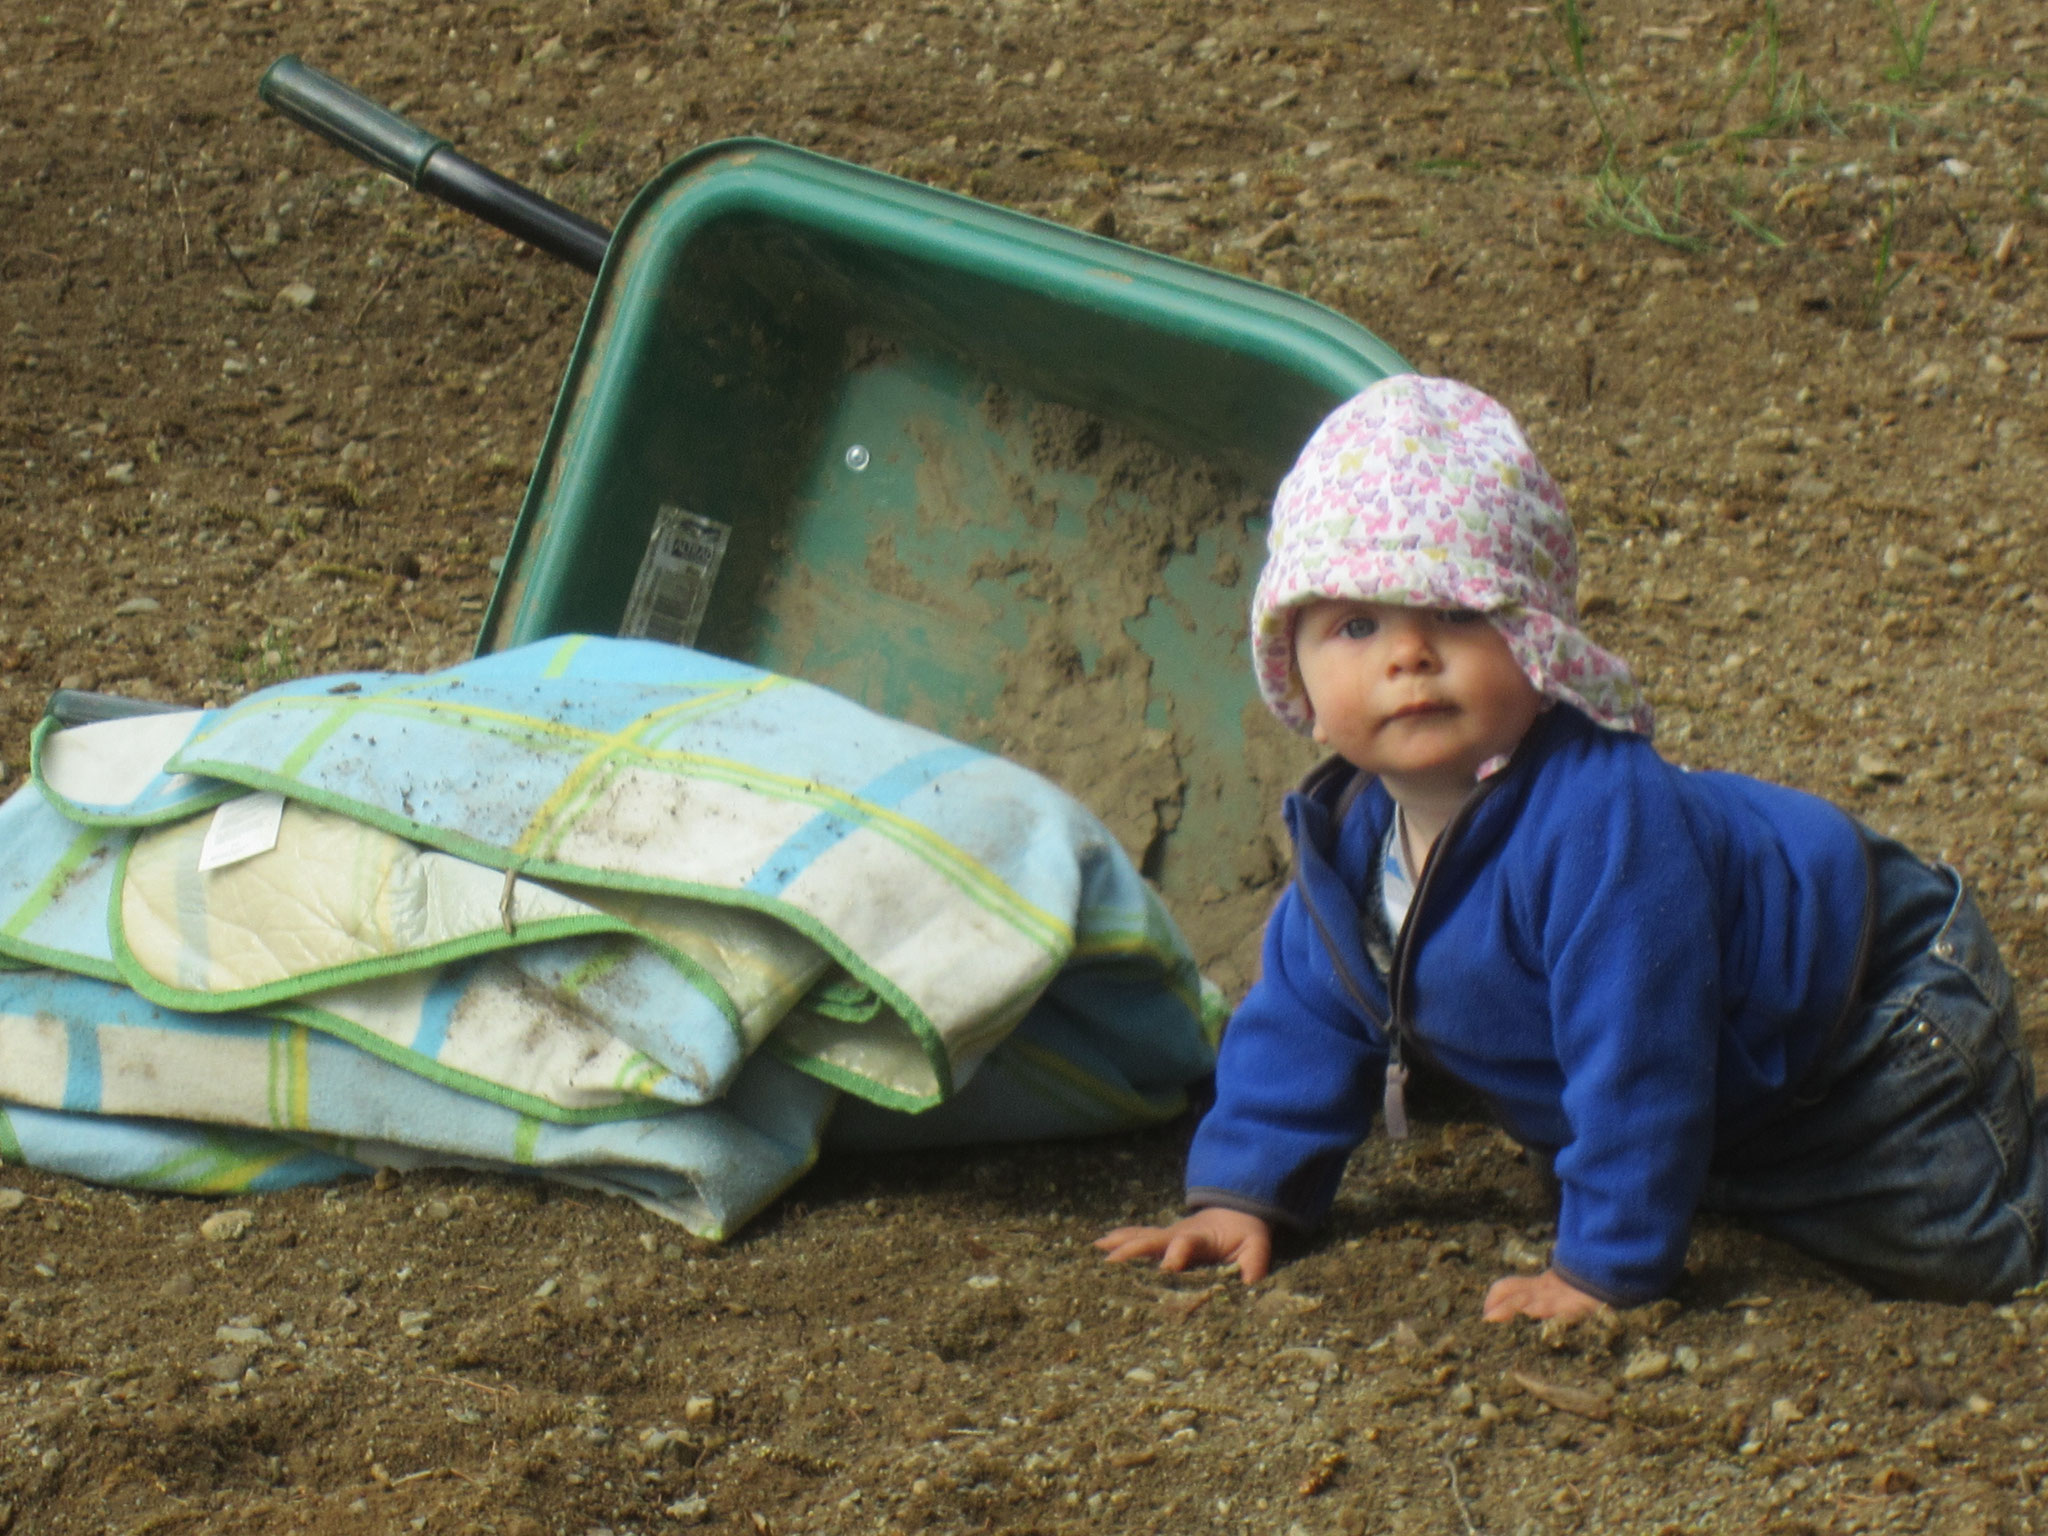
(1421, 708)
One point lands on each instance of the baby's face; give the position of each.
(1419, 696)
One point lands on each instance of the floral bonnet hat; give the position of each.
(1423, 492)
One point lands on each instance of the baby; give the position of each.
(1681, 991)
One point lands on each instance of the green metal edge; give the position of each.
(836, 197)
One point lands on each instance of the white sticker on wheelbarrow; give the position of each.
(673, 587)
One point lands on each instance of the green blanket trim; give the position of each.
(589, 777)
(312, 1016)
(41, 957)
(220, 1167)
(494, 857)
(10, 1144)
(86, 816)
(327, 978)
(489, 941)
(835, 1076)
(38, 901)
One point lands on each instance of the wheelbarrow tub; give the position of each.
(940, 434)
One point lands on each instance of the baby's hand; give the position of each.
(1538, 1296)
(1212, 1236)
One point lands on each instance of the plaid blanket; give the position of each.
(608, 910)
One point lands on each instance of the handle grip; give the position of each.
(350, 120)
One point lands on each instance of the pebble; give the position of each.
(136, 605)
(227, 1226)
(1520, 1253)
(226, 1366)
(414, 1324)
(298, 295)
(700, 1410)
(1686, 1358)
(242, 1338)
(122, 473)
(11, 1200)
(689, 1510)
(1647, 1365)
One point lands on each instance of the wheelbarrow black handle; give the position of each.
(345, 117)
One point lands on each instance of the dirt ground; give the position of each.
(1763, 283)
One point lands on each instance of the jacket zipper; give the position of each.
(1394, 1096)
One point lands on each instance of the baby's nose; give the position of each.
(1409, 648)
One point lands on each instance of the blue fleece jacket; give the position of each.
(1633, 962)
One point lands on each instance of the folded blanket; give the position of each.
(610, 898)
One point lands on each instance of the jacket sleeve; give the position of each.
(1632, 950)
(1296, 1081)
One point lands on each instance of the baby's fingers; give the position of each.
(1131, 1243)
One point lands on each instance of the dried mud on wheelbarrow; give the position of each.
(261, 423)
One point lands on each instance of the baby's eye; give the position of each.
(1360, 626)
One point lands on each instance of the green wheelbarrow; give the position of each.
(974, 469)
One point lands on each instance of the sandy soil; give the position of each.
(1763, 284)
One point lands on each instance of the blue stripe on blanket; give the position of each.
(888, 791)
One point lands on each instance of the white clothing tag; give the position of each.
(242, 829)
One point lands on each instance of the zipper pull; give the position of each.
(1394, 1103)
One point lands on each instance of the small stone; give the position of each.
(546, 1288)
(1521, 1254)
(227, 1366)
(1784, 1411)
(1980, 1405)
(700, 1410)
(434, 1210)
(1138, 1375)
(122, 473)
(689, 1510)
(227, 1226)
(1686, 1358)
(11, 1200)
(242, 1337)
(1460, 1398)
(1878, 768)
(983, 1282)
(298, 295)
(1280, 232)
(136, 605)
(178, 1287)
(1646, 1365)
(414, 1324)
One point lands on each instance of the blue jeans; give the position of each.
(1914, 1157)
